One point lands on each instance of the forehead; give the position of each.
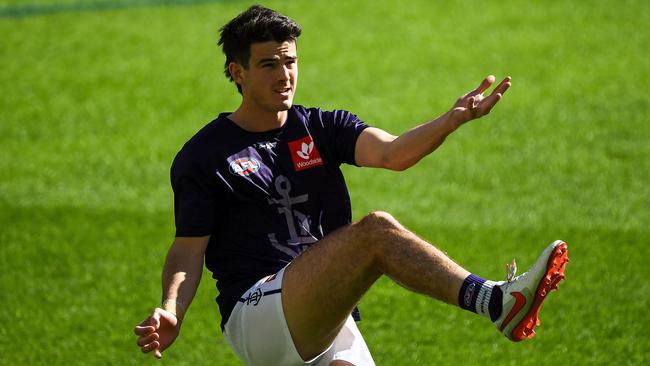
(272, 49)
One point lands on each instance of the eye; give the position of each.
(291, 63)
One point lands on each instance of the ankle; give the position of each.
(481, 296)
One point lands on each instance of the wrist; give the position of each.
(452, 121)
(175, 307)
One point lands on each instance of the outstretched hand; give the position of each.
(157, 332)
(474, 104)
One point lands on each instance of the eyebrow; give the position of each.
(276, 58)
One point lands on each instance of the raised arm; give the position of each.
(379, 149)
(180, 279)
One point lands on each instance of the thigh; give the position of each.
(324, 284)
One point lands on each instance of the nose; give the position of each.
(285, 73)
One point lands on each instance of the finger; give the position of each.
(484, 85)
(151, 320)
(497, 94)
(157, 354)
(150, 347)
(146, 322)
(143, 330)
(490, 102)
(503, 86)
(142, 341)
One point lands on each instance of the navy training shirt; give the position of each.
(263, 197)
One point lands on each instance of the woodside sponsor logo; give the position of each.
(304, 153)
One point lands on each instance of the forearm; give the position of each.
(376, 148)
(418, 142)
(180, 279)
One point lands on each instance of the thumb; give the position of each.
(157, 353)
(155, 319)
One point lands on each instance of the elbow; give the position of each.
(396, 165)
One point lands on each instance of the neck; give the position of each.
(258, 120)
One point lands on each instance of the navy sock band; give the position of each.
(469, 292)
(481, 296)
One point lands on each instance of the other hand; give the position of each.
(157, 332)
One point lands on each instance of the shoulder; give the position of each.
(214, 133)
(199, 146)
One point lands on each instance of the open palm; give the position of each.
(475, 105)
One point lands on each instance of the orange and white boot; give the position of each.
(523, 295)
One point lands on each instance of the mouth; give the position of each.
(284, 91)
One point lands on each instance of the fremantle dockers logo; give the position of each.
(304, 154)
(253, 297)
(244, 166)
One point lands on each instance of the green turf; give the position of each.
(94, 104)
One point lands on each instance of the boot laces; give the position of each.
(511, 270)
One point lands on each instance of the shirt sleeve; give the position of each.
(194, 198)
(346, 129)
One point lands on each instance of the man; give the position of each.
(259, 195)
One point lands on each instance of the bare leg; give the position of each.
(322, 285)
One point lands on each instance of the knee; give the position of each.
(379, 221)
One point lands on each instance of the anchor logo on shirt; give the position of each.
(298, 223)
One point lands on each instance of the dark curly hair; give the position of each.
(257, 24)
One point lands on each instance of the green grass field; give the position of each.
(96, 100)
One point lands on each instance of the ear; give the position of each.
(236, 72)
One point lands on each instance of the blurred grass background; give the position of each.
(98, 96)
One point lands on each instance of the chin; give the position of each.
(286, 105)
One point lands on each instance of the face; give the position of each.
(270, 81)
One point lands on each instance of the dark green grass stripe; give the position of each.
(17, 11)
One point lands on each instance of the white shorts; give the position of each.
(258, 332)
